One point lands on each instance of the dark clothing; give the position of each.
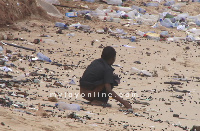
(97, 73)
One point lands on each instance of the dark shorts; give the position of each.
(101, 95)
(92, 86)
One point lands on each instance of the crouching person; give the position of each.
(98, 80)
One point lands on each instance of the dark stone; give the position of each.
(137, 62)
(175, 115)
(36, 41)
(2, 123)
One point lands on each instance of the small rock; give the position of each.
(2, 123)
(22, 69)
(53, 99)
(148, 54)
(59, 31)
(8, 51)
(67, 68)
(101, 46)
(36, 41)
(137, 62)
(166, 103)
(175, 115)
(173, 59)
(187, 48)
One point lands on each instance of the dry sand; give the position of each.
(155, 56)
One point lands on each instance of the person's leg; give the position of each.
(97, 96)
(103, 96)
(91, 94)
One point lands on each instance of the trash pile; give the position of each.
(171, 17)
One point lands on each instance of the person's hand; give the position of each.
(127, 104)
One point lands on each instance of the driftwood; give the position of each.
(173, 83)
(19, 46)
(139, 102)
(182, 91)
(14, 81)
(57, 64)
(5, 76)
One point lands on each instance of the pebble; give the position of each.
(2, 123)
(175, 115)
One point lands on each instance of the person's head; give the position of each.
(109, 55)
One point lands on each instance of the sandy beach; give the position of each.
(156, 104)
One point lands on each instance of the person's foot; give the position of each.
(99, 103)
(106, 105)
(96, 103)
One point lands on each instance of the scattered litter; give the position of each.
(64, 106)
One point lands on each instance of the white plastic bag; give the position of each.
(134, 70)
(114, 2)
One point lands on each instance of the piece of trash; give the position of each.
(128, 46)
(49, 8)
(144, 72)
(72, 82)
(60, 25)
(181, 27)
(53, 2)
(1, 49)
(43, 57)
(100, 31)
(37, 81)
(34, 59)
(134, 70)
(140, 72)
(64, 106)
(133, 39)
(6, 69)
(153, 36)
(18, 46)
(71, 14)
(48, 41)
(114, 2)
(71, 34)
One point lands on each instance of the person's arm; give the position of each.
(116, 97)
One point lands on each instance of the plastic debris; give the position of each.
(64, 106)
